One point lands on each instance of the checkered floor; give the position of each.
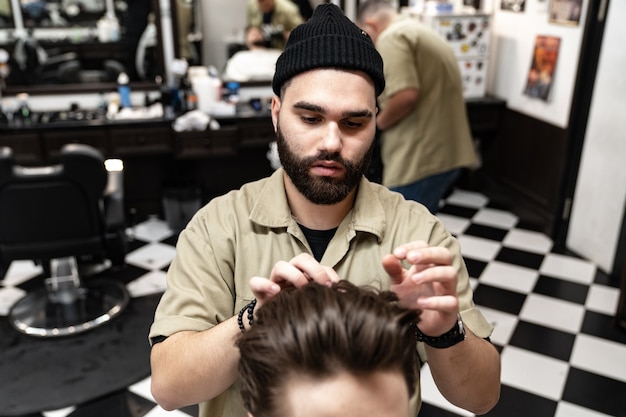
(561, 354)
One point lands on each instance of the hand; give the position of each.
(297, 272)
(429, 284)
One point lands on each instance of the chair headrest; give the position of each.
(84, 164)
(81, 163)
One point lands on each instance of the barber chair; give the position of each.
(69, 218)
(48, 71)
(72, 72)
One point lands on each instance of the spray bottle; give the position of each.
(123, 89)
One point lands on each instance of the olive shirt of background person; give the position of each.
(275, 13)
(434, 137)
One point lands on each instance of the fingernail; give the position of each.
(413, 256)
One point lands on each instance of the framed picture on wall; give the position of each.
(540, 76)
(513, 5)
(565, 12)
(472, 3)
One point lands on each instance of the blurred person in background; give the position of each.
(276, 18)
(425, 136)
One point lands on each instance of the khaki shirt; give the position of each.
(435, 137)
(286, 14)
(245, 232)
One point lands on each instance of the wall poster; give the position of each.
(566, 12)
(541, 73)
(513, 5)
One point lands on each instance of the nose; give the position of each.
(332, 142)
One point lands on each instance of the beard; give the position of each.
(321, 190)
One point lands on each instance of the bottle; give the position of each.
(232, 92)
(208, 90)
(123, 89)
(102, 106)
(192, 100)
(23, 114)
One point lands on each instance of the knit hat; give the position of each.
(328, 39)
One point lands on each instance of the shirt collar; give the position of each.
(272, 210)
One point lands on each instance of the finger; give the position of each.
(442, 303)
(444, 275)
(263, 289)
(401, 251)
(285, 274)
(332, 275)
(394, 269)
(313, 270)
(430, 255)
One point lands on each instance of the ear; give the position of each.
(372, 22)
(372, 26)
(250, 414)
(276, 103)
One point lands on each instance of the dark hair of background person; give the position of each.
(322, 331)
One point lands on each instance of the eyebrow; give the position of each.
(319, 109)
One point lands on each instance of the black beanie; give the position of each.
(328, 39)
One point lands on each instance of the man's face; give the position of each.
(325, 125)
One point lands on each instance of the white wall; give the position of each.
(510, 57)
(222, 21)
(600, 197)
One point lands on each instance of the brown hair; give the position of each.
(321, 331)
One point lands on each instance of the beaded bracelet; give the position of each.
(250, 308)
(453, 336)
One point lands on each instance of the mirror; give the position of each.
(187, 24)
(6, 15)
(80, 45)
(223, 25)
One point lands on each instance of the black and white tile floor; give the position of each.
(553, 314)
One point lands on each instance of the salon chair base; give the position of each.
(95, 303)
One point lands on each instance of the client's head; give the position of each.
(340, 351)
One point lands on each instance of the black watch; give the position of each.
(455, 335)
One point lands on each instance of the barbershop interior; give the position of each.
(140, 101)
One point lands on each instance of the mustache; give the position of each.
(328, 156)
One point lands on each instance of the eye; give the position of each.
(353, 124)
(309, 119)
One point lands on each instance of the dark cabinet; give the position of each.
(256, 133)
(140, 140)
(207, 144)
(53, 140)
(26, 147)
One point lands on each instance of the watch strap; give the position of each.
(450, 338)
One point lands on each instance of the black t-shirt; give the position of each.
(318, 240)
